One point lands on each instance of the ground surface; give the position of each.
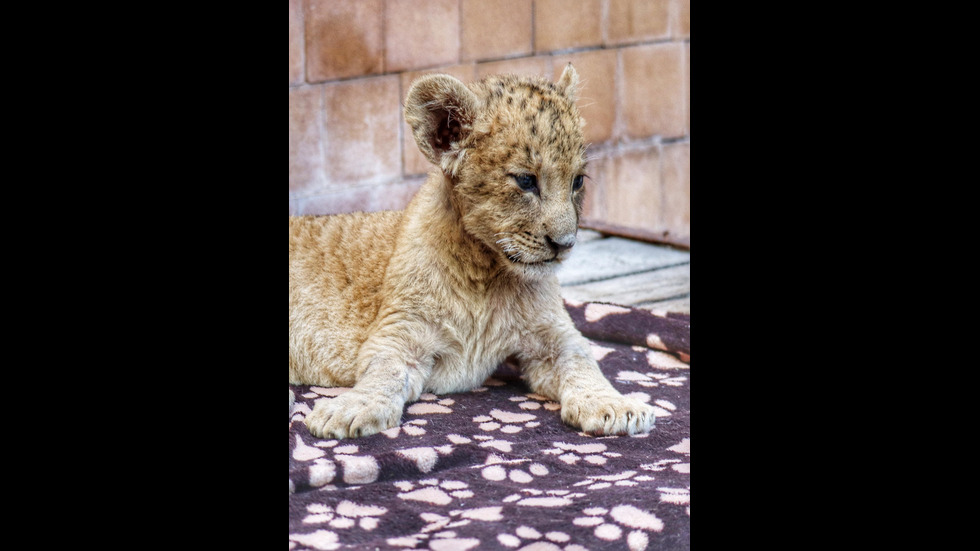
(626, 272)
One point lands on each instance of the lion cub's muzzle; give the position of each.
(562, 243)
(524, 248)
(560, 246)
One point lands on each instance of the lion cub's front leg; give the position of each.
(566, 371)
(387, 381)
(358, 412)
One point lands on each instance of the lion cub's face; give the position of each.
(513, 148)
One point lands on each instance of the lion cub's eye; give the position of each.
(527, 182)
(578, 182)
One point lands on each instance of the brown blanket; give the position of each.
(495, 468)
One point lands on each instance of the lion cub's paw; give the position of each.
(607, 414)
(353, 414)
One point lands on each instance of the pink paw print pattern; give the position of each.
(594, 454)
(485, 442)
(346, 515)
(662, 360)
(529, 539)
(532, 401)
(650, 380)
(411, 428)
(507, 422)
(513, 470)
(532, 497)
(430, 403)
(523, 471)
(623, 479)
(434, 492)
(682, 466)
(677, 496)
(357, 469)
(440, 531)
(612, 524)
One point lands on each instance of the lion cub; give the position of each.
(433, 298)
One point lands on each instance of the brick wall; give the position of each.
(351, 63)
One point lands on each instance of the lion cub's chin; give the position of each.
(534, 270)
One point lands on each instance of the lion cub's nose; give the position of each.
(563, 243)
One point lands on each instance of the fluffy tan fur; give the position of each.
(433, 298)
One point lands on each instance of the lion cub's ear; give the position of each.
(441, 111)
(568, 82)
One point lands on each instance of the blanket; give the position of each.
(495, 468)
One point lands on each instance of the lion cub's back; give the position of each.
(336, 269)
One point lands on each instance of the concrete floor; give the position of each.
(629, 273)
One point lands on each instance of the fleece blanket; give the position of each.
(495, 468)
